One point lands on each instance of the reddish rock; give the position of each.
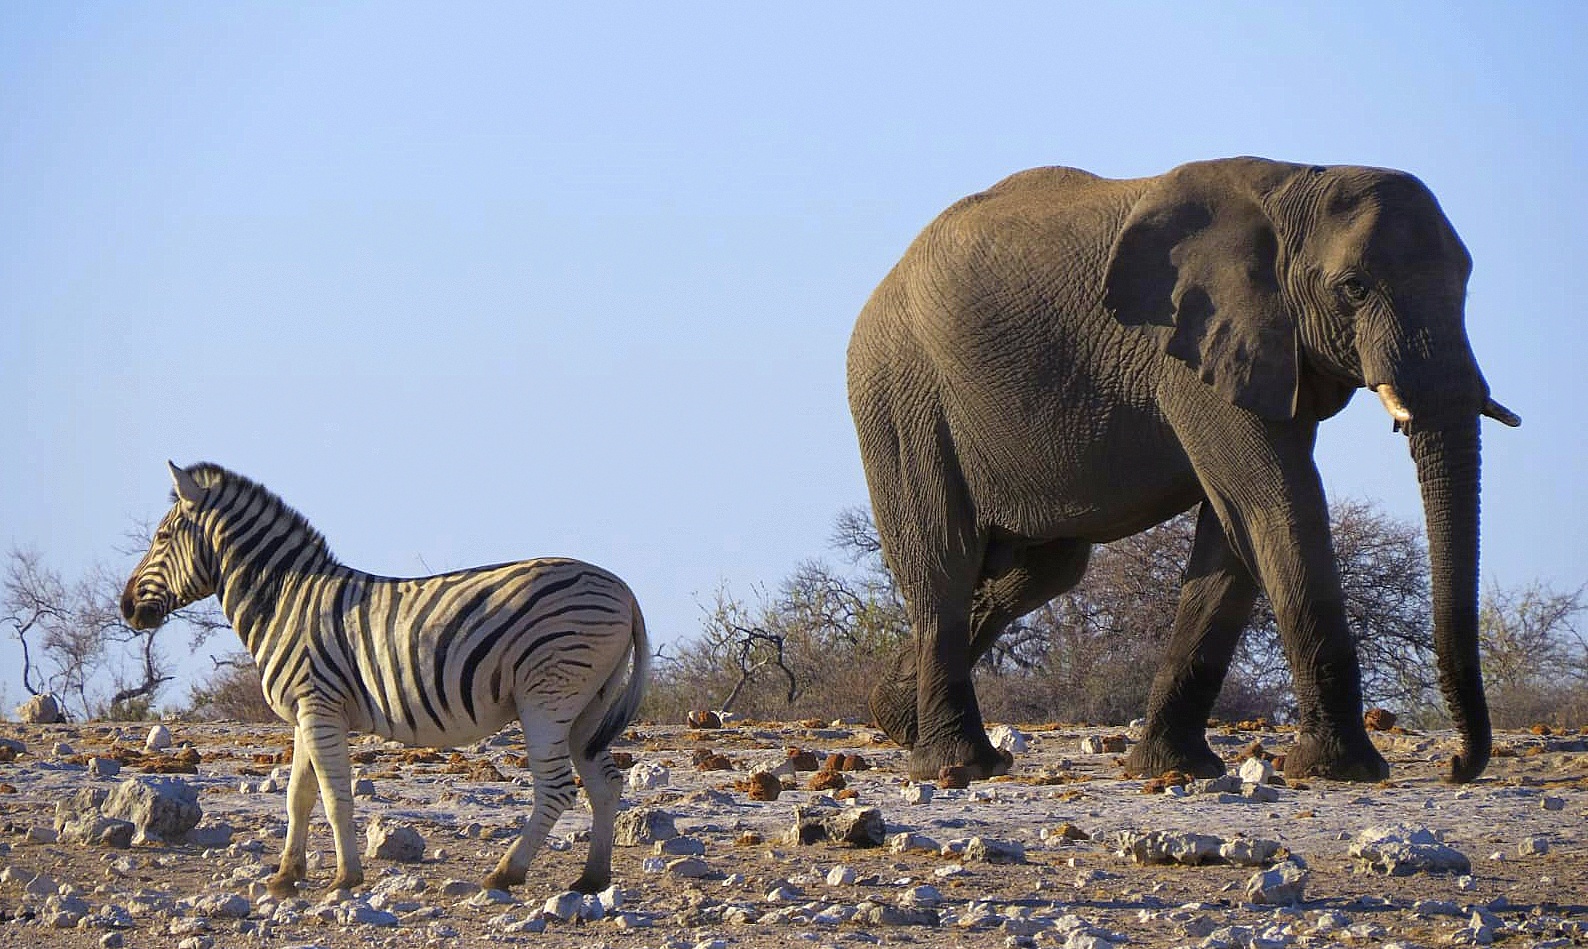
(1378, 719)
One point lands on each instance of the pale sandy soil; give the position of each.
(1066, 887)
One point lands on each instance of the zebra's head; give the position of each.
(176, 570)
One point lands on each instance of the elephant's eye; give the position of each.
(1353, 289)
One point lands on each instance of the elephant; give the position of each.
(1063, 360)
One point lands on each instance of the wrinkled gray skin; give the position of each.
(1064, 360)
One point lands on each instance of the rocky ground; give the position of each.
(1065, 851)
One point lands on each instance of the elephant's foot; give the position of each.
(893, 709)
(977, 759)
(1343, 758)
(591, 882)
(1157, 754)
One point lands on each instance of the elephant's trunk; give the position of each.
(1448, 470)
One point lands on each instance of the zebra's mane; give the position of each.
(210, 476)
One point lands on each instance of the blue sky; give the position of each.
(474, 282)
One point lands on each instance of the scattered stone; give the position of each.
(880, 914)
(1223, 784)
(858, 826)
(223, 906)
(1552, 803)
(763, 786)
(704, 719)
(1256, 771)
(642, 826)
(984, 850)
(908, 841)
(1533, 846)
(1169, 847)
(826, 781)
(1282, 885)
(41, 709)
(706, 760)
(1006, 738)
(918, 792)
(159, 738)
(648, 775)
(840, 876)
(1378, 719)
(1402, 851)
(801, 760)
(104, 767)
(564, 906)
(923, 895)
(162, 809)
(688, 868)
(208, 835)
(387, 840)
(1246, 852)
(680, 847)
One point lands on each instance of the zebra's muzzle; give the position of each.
(145, 614)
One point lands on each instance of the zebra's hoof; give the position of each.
(503, 880)
(591, 883)
(282, 887)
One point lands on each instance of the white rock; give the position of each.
(1245, 852)
(648, 775)
(159, 738)
(564, 906)
(1006, 738)
(1256, 771)
(923, 895)
(840, 876)
(1284, 884)
(688, 868)
(643, 825)
(918, 793)
(1402, 851)
(387, 840)
(1091, 745)
(987, 850)
(41, 709)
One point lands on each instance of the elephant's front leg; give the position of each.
(300, 803)
(327, 737)
(1215, 602)
(1261, 481)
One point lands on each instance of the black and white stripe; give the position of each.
(438, 661)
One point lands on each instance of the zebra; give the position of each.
(437, 661)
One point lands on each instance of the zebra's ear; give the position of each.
(187, 490)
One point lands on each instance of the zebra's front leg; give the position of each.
(554, 791)
(326, 735)
(300, 804)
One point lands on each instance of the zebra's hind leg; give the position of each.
(547, 744)
(300, 803)
(603, 784)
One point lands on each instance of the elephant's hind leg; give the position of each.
(1017, 578)
(1215, 601)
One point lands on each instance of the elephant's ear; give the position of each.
(1199, 257)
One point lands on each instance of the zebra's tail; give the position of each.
(623, 710)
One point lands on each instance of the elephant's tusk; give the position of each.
(1394, 406)
(1501, 414)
